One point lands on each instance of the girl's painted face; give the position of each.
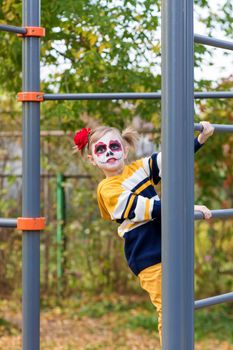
(108, 151)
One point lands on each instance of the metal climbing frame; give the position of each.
(31, 33)
(177, 169)
(178, 174)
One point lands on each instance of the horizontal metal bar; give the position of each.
(42, 133)
(12, 29)
(224, 213)
(130, 96)
(223, 298)
(105, 96)
(223, 44)
(221, 213)
(213, 94)
(67, 176)
(8, 222)
(217, 127)
(198, 127)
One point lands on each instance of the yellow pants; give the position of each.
(151, 281)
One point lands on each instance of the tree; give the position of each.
(97, 46)
(214, 188)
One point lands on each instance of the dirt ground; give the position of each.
(60, 332)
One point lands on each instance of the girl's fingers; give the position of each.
(207, 215)
(208, 128)
(204, 210)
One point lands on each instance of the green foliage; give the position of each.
(97, 253)
(91, 47)
(213, 179)
(10, 57)
(10, 240)
(216, 158)
(97, 46)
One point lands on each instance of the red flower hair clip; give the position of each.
(81, 138)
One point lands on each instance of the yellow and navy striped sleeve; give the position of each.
(123, 204)
(197, 145)
(152, 166)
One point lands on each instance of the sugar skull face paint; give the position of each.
(113, 147)
(108, 150)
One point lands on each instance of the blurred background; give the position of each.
(90, 299)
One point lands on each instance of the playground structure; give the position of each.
(177, 168)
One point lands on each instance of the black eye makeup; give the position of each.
(115, 146)
(100, 148)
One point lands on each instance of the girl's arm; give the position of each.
(207, 131)
(123, 204)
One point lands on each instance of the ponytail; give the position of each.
(131, 137)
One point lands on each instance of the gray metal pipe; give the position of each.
(223, 298)
(12, 29)
(8, 222)
(220, 128)
(130, 96)
(224, 213)
(67, 176)
(217, 214)
(206, 40)
(105, 96)
(31, 181)
(213, 94)
(178, 175)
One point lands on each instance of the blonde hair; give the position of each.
(129, 136)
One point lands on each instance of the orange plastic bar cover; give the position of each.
(31, 224)
(33, 31)
(30, 96)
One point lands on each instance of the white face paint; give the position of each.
(108, 151)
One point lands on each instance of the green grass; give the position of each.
(100, 308)
(135, 313)
(216, 321)
(7, 327)
(146, 321)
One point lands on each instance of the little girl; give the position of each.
(127, 195)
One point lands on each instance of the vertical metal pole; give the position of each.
(47, 204)
(60, 228)
(31, 180)
(177, 175)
